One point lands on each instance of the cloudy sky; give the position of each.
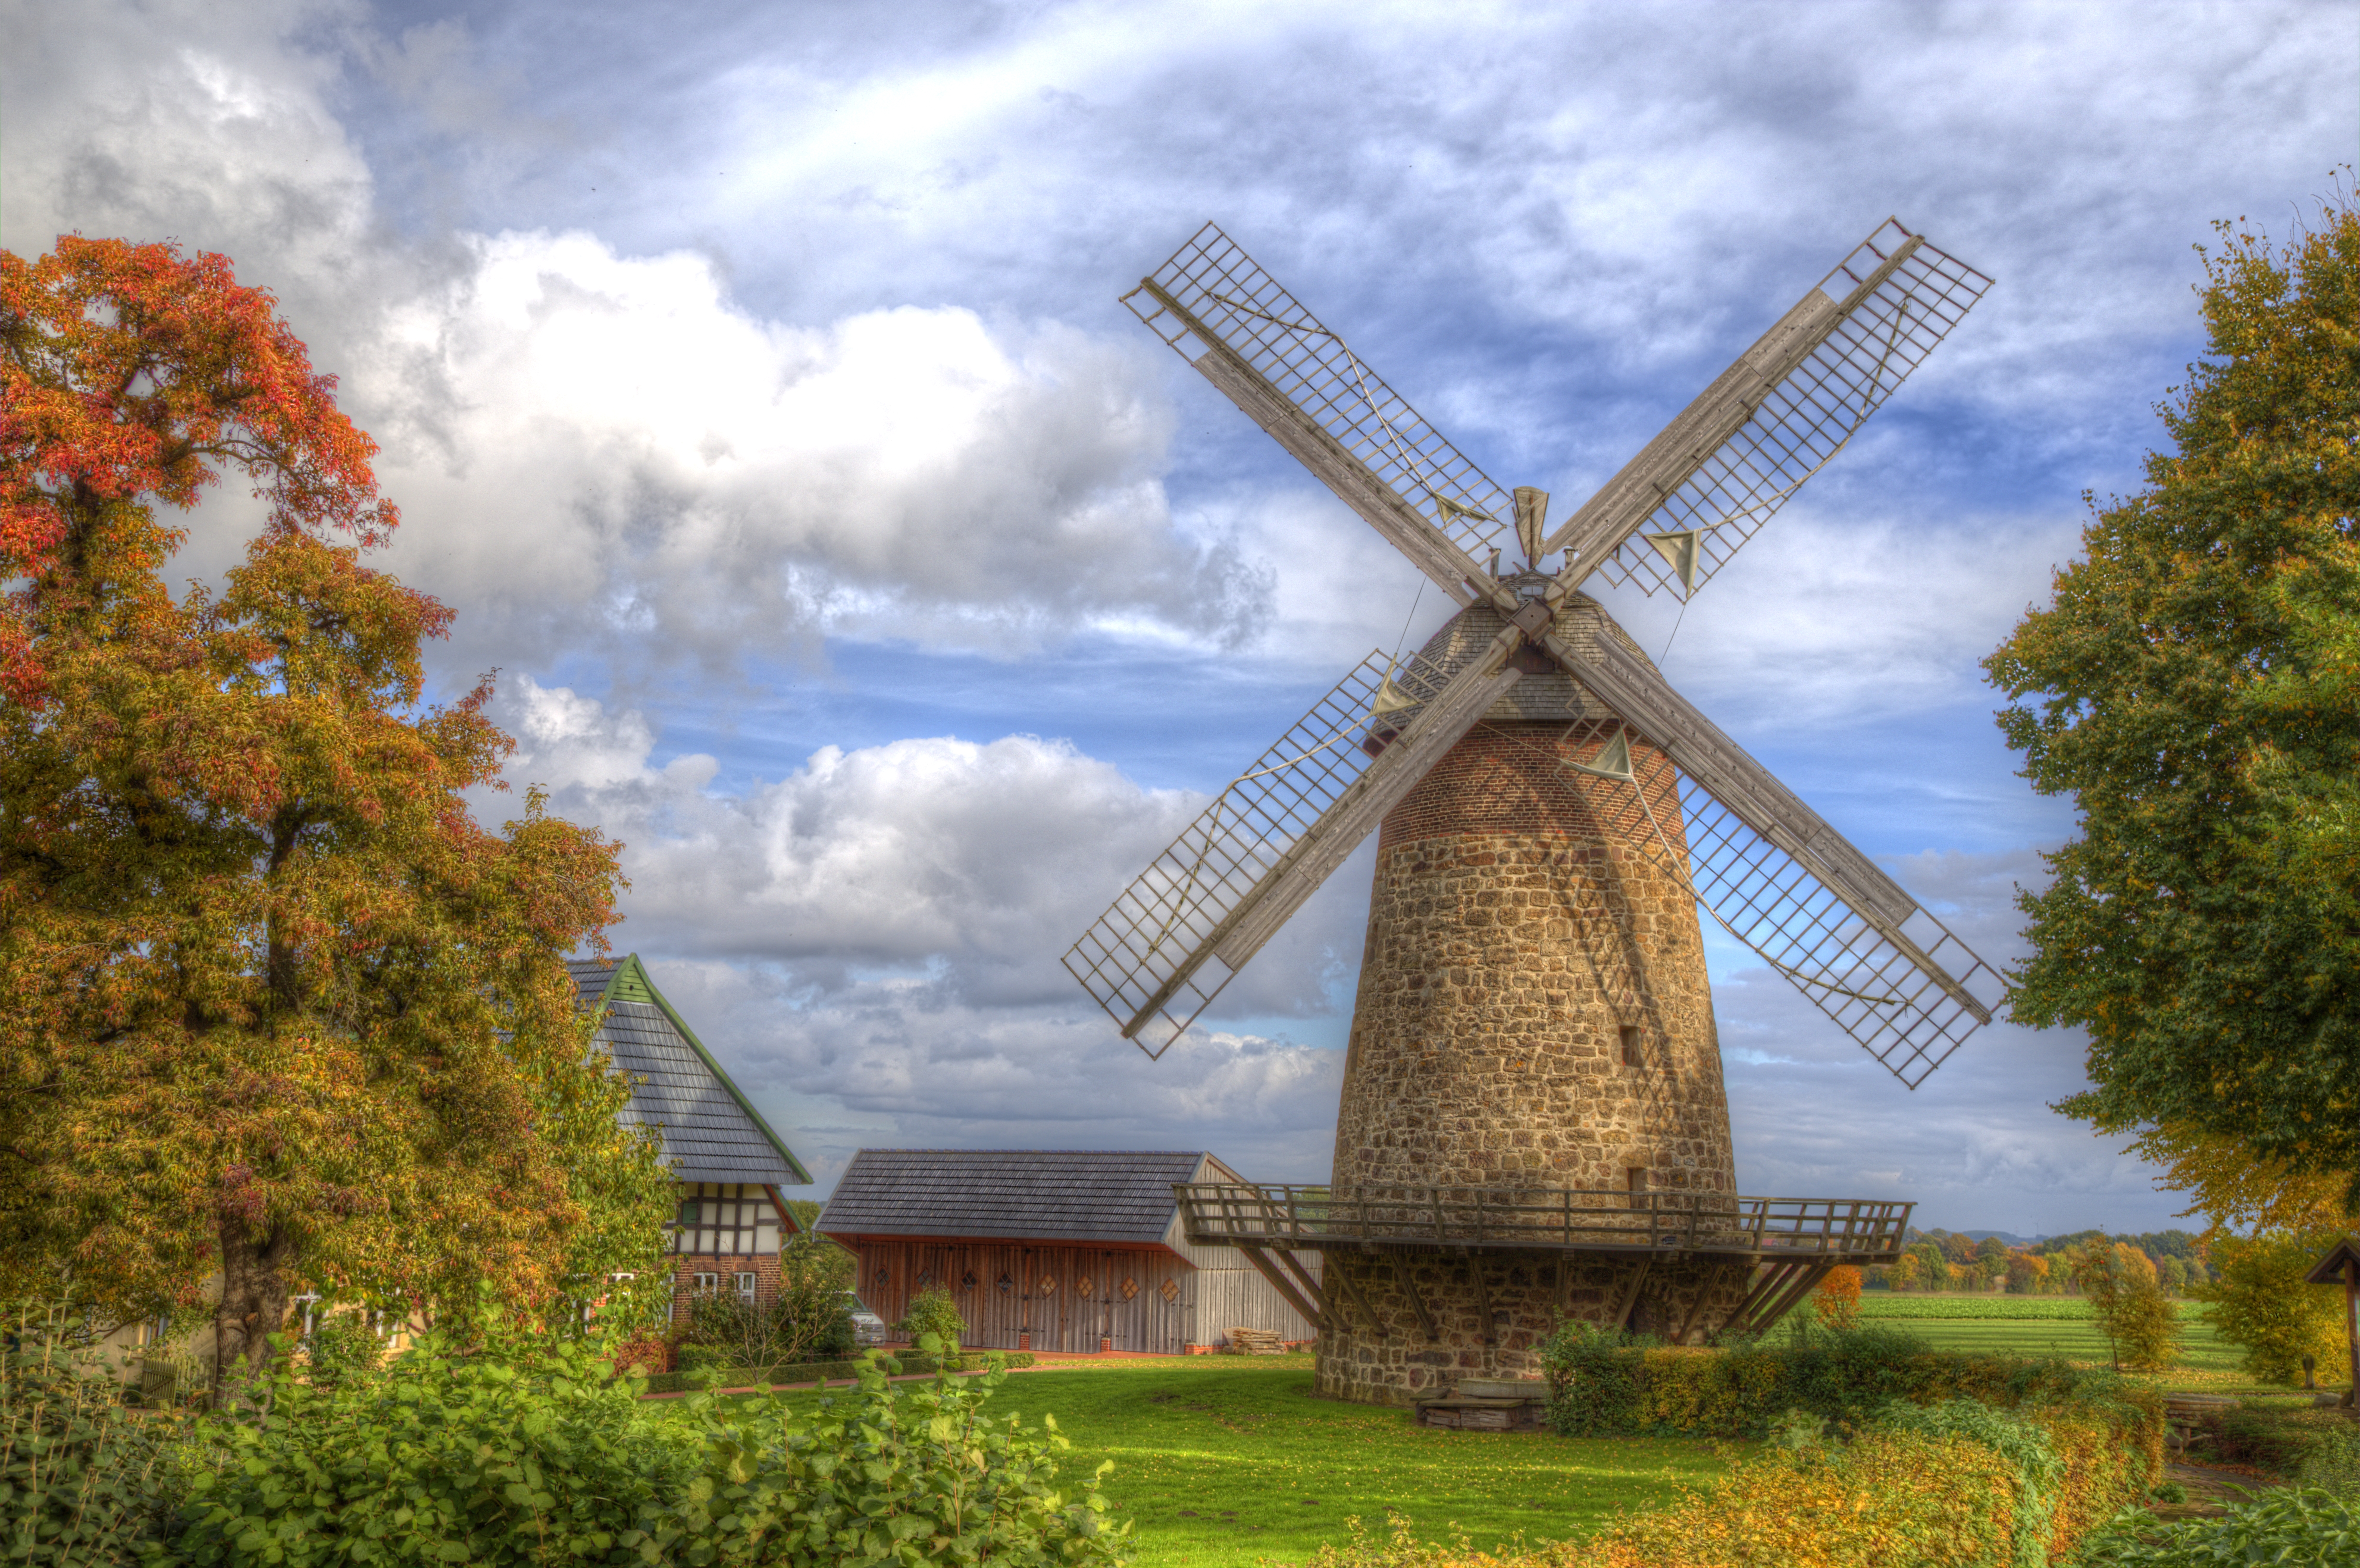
(751, 381)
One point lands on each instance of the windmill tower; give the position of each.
(1532, 1122)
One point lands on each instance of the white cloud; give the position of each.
(608, 454)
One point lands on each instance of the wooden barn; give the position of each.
(1052, 1250)
(724, 1238)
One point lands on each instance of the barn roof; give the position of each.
(1101, 1195)
(710, 1131)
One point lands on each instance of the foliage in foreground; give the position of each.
(2288, 1528)
(1953, 1486)
(515, 1450)
(82, 1480)
(2195, 687)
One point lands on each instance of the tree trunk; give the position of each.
(253, 1302)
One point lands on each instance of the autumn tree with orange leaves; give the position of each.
(273, 1006)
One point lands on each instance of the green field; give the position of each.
(1220, 1460)
(2044, 1325)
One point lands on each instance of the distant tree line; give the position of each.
(1941, 1259)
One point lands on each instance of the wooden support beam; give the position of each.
(1482, 1296)
(1350, 1288)
(1417, 1303)
(1630, 1301)
(1806, 1278)
(1695, 1306)
(1284, 1286)
(1312, 1285)
(1759, 1288)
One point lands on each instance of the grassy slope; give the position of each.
(1220, 1460)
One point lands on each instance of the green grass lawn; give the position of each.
(1220, 1460)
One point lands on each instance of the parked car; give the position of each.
(867, 1328)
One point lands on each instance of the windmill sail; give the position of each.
(1768, 423)
(1175, 936)
(1300, 381)
(1774, 876)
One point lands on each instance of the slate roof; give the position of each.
(710, 1132)
(1015, 1195)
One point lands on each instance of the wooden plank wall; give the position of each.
(1044, 1294)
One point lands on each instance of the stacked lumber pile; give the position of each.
(1256, 1341)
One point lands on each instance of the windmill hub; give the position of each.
(1533, 1123)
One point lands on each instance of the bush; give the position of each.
(341, 1347)
(933, 1312)
(2288, 1528)
(82, 1481)
(1604, 1383)
(808, 1318)
(506, 1448)
(718, 1377)
(892, 1473)
(487, 1451)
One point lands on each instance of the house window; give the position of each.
(702, 1284)
(746, 1289)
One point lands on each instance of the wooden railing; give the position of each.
(1220, 1213)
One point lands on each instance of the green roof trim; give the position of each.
(628, 981)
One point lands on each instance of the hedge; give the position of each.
(813, 1371)
(1610, 1385)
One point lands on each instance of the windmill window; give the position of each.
(1636, 1176)
(1630, 1033)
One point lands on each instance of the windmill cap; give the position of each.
(1546, 694)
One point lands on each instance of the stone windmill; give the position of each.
(1534, 1122)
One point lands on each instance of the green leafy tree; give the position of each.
(2129, 1306)
(273, 1006)
(2261, 1301)
(2195, 688)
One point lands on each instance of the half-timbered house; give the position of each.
(724, 1235)
(1050, 1250)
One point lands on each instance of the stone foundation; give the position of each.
(1529, 1294)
